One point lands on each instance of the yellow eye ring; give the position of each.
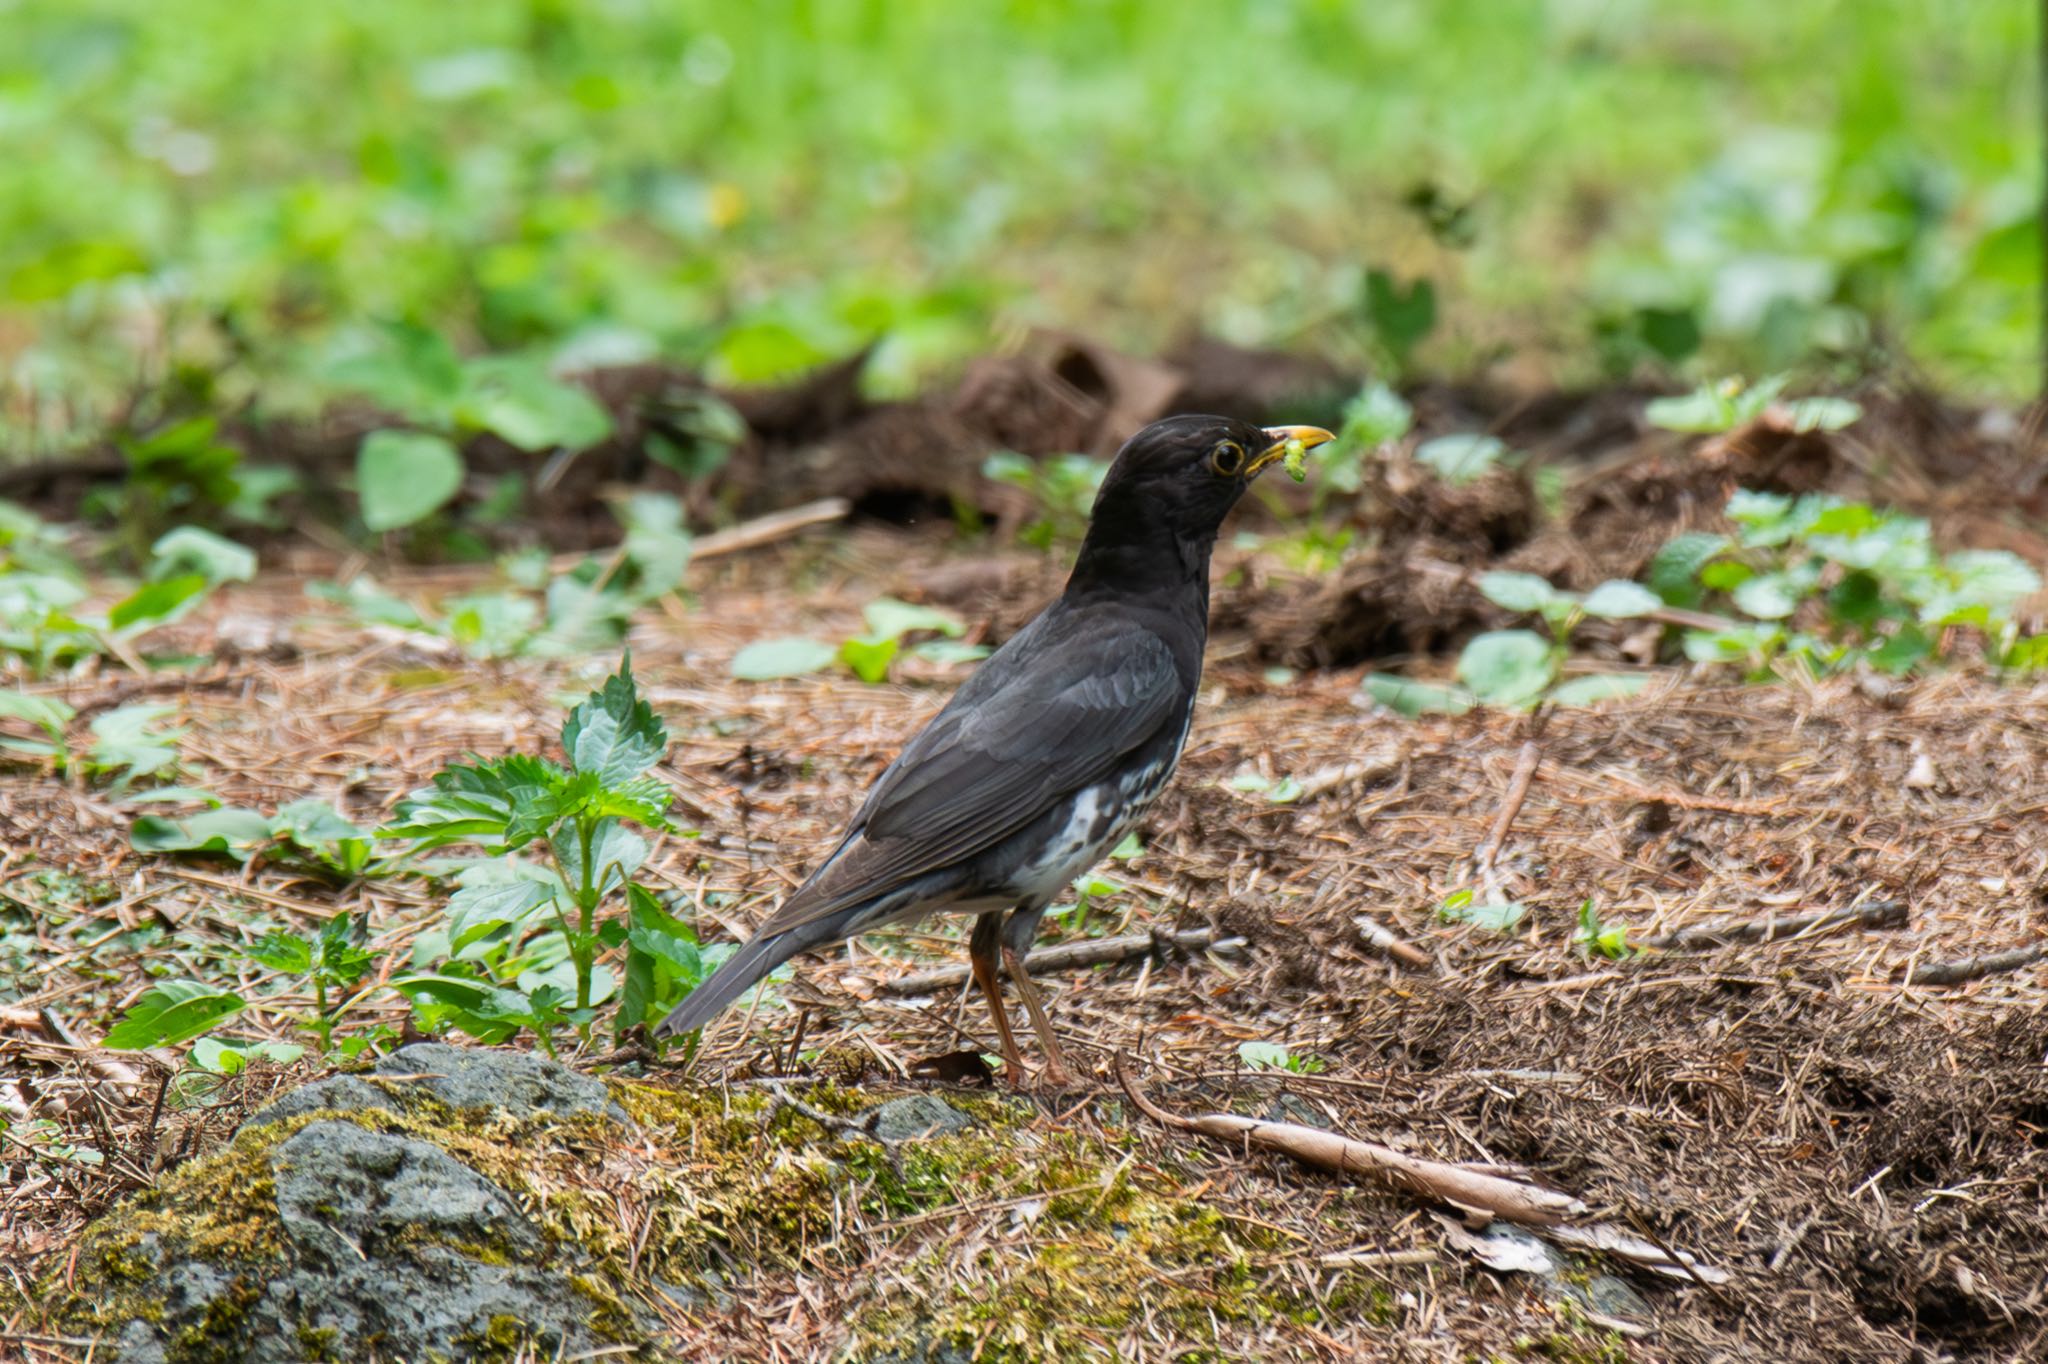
(1227, 458)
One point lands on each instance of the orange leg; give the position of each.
(982, 957)
(1056, 1073)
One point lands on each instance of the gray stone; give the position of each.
(917, 1115)
(393, 1249)
(344, 1193)
(516, 1083)
(1613, 1297)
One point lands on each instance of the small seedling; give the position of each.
(1598, 938)
(869, 656)
(1464, 907)
(1274, 1056)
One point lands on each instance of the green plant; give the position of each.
(124, 745)
(1374, 419)
(522, 942)
(1062, 489)
(1733, 403)
(541, 612)
(307, 833)
(184, 472)
(1597, 938)
(405, 475)
(1465, 907)
(869, 656)
(1400, 317)
(1868, 583)
(330, 961)
(1274, 1056)
(1519, 668)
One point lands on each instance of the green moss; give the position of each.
(317, 1342)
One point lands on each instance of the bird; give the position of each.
(1050, 751)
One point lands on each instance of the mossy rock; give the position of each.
(383, 1222)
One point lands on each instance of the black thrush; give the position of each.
(1049, 753)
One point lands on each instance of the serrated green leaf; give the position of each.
(133, 740)
(477, 911)
(1768, 596)
(224, 1056)
(48, 712)
(616, 852)
(614, 735)
(1499, 916)
(518, 401)
(402, 476)
(282, 952)
(171, 1012)
(1507, 667)
(1262, 1055)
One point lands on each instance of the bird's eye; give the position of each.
(1227, 458)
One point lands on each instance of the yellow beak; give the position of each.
(1281, 436)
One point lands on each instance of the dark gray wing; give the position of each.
(1055, 712)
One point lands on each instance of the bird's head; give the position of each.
(1187, 472)
(1165, 496)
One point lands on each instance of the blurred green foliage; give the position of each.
(232, 203)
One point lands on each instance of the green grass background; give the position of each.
(205, 202)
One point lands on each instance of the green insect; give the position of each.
(1294, 457)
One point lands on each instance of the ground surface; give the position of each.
(1866, 1157)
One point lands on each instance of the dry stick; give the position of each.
(762, 530)
(1510, 806)
(1875, 914)
(1088, 952)
(1382, 939)
(1508, 1199)
(1972, 968)
(1461, 1186)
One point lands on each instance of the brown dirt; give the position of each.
(1868, 1158)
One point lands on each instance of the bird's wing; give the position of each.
(1057, 719)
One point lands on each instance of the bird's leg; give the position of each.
(983, 951)
(1056, 1073)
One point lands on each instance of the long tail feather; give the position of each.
(743, 970)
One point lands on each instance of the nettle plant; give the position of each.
(1831, 584)
(521, 945)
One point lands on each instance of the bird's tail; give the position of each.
(741, 971)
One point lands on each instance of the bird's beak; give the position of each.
(1309, 436)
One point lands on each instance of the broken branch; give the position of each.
(1876, 914)
(1973, 968)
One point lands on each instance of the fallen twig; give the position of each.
(1875, 914)
(1382, 939)
(765, 530)
(1973, 968)
(1508, 1199)
(1066, 956)
(1461, 1186)
(1376, 1259)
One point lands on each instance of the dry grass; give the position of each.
(1869, 1157)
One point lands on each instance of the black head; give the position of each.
(1169, 489)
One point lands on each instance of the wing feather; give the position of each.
(1070, 698)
